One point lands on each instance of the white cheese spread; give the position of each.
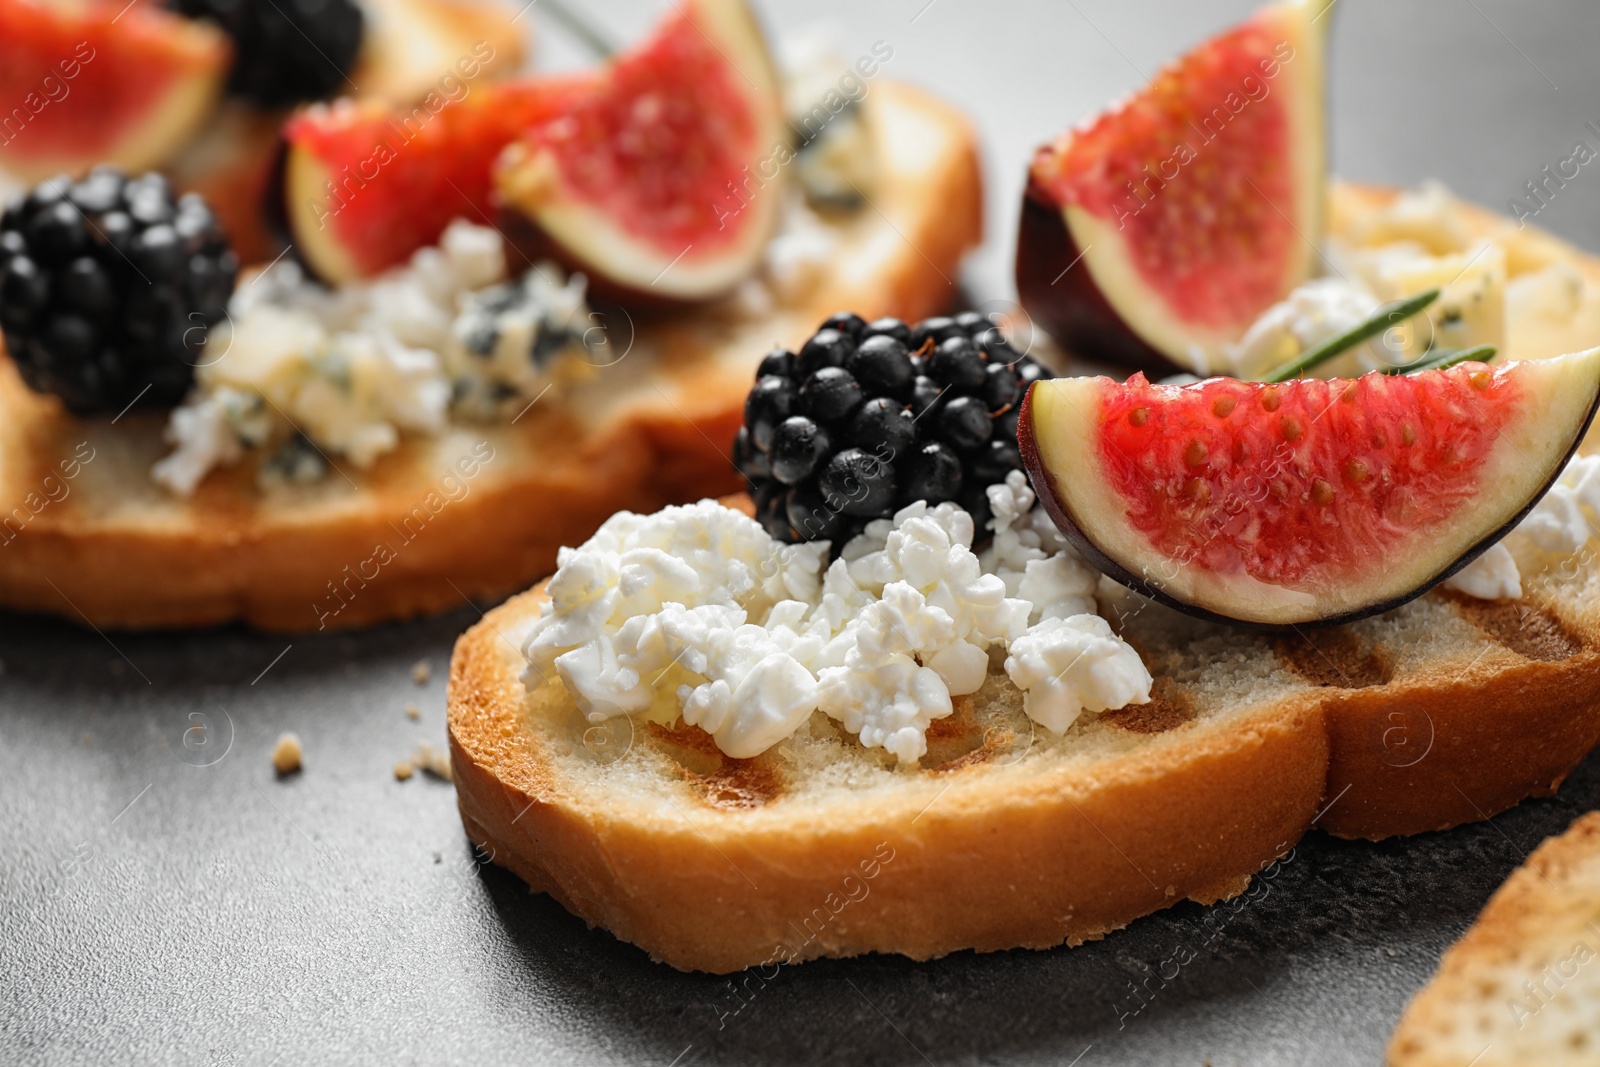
(696, 611)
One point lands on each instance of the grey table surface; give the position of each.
(165, 899)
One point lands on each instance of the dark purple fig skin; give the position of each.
(1070, 306)
(1044, 484)
(275, 212)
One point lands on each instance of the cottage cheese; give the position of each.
(350, 370)
(696, 611)
(1317, 311)
(1560, 525)
(1492, 576)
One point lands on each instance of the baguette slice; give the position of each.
(1522, 986)
(416, 533)
(1445, 711)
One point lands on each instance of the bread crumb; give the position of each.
(402, 771)
(433, 760)
(286, 754)
(413, 712)
(421, 672)
(88, 738)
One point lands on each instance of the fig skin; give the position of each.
(1044, 485)
(1073, 310)
(527, 242)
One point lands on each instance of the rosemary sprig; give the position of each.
(1446, 357)
(1386, 316)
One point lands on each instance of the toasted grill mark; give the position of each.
(1336, 658)
(720, 780)
(1169, 708)
(956, 737)
(681, 735)
(739, 783)
(1526, 629)
(689, 746)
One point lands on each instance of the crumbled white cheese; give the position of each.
(1492, 576)
(1559, 525)
(1031, 556)
(1071, 665)
(697, 611)
(506, 337)
(928, 600)
(352, 369)
(1553, 293)
(836, 163)
(1315, 312)
(1566, 518)
(799, 254)
(210, 432)
(657, 602)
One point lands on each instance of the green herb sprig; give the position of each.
(1386, 316)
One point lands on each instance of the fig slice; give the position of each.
(363, 185)
(1313, 501)
(83, 84)
(664, 181)
(1155, 234)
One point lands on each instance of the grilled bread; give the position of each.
(478, 511)
(1522, 986)
(1444, 711)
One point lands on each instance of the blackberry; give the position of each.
(287, 51)
(826, 348)
(109, 287)
(798, 446)
(772, 400)
(830, 395)
(871, 416)
(882, 364)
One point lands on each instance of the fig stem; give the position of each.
(592, 37)
(1386, 316)
(1447, 357)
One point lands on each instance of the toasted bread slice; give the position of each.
(86, 533)
(1522, 986)
(1444, 711)
(1007, 836)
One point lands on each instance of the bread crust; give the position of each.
(1543, 910)
(1483, 742)
(111, 548)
